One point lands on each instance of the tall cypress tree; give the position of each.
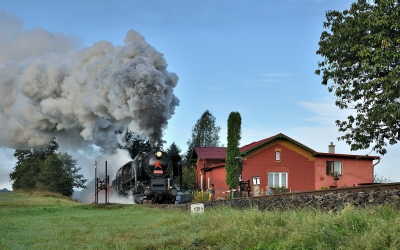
(232, 151)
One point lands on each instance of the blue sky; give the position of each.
(254, 57)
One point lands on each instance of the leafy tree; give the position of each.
(59, 174)
(26, 169)
(71, 169)
(46, 169)
(233, 166)
(188, 178)
(28, 165)
(362, 67)
(54, 178)
(205, 133)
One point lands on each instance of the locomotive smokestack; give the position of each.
(158, 145)
(49, 89)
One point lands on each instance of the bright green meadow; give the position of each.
(43, 221)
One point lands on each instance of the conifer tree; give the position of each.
(205, 133)
(233, 165)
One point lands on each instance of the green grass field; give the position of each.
(40, 221)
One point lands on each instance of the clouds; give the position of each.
(18, 44)
(265, 80)
(324, 110)
(50, 89)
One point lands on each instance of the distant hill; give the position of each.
(5, 190)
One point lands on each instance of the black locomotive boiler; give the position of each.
(150, 177)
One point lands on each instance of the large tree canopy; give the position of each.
(233, 166)
(28, 166)
(361, 65)
(45, 169)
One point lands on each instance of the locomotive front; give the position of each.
(150, 177)
(159, 167)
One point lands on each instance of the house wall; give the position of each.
(217, 177)
(354, 171)
(214, 176)
(294, 160)
(304, 171)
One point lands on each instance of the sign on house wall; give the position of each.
(256, 185)
(256, 180)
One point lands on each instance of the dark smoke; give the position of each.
(49, 89)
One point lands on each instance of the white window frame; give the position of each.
(277, 155)
(282, 179)
(337, 167)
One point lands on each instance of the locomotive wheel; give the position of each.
(138, 198)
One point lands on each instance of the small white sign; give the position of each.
(197, 208)
(256, 180)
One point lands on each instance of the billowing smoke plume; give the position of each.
(49, 89)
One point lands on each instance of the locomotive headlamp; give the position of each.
(158, 154)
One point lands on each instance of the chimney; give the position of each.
(331, 148)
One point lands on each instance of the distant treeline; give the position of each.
(5, 190)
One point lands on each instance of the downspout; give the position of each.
(373, 168)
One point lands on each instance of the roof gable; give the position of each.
(256, 145)
(219, 153)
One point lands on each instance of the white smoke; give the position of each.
(49, 89)
(113, 162)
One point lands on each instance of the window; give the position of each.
(277, 154)
(333, 167)
(277, 180)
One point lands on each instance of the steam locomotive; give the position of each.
(150, 177)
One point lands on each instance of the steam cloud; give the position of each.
(50, 89)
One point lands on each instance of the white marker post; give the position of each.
(197, 208)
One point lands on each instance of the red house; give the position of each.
(280, 161)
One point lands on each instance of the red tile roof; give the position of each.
(347, 155)
(220, 152)
(211, 152)
(253, 144)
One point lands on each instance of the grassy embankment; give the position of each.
(29, 221)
